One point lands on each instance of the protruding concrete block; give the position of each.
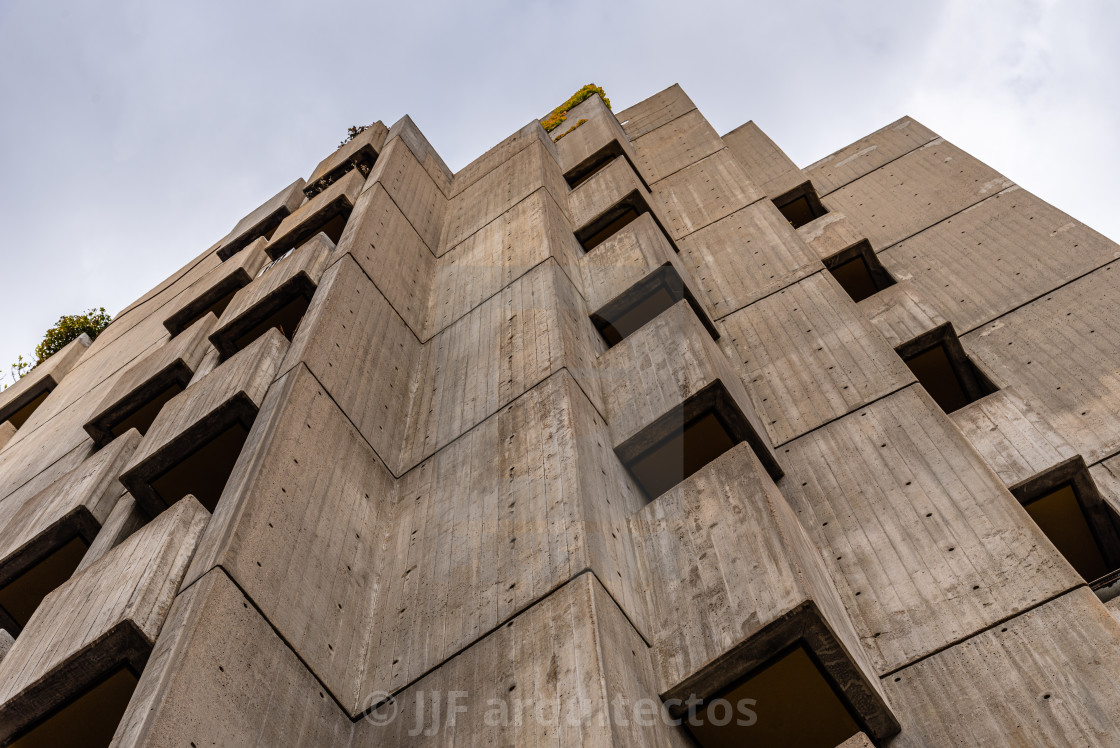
(413, 189)
(263, 221)
(829, 234)
(759, 597)
(768, 166)
(1045, 677)
(867, 154)
(125, 519)
(75, 506)
(208, 421)
(327, 212)
(359, 154)
(924, 552)
(663, 378)
(657, 110)
(138, 395)
(7, 431)
(6, 642)
(901, 314)
(604, 203)
(19, 401)
(213, 291)
(587, 147)
(689, 207)
(277, 298)
(104, 618)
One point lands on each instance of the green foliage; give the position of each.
(560, 113)
(352, 132)
(577, 124)
(68, 328)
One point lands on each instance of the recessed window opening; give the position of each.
(21, 596)
(643, 302)
(272, 263)
(800, 205)
(1066, 506)
(205, 471)
(942, 367)
(142, 417)
(363, 161)
(788, 701)
(858, 271)
(607, 227)
(20, 417)
(683, 441)
(176, 326)
(591, 166)
(89, 720)
(286, 318)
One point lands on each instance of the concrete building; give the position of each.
(635, 436)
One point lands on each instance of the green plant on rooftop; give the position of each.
(67, 329)
(560, 113)
(352, 132)
(577, 124)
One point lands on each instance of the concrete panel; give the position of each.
(125, 519)
(1059, 354)
(500, 154)
(1014, 440)
(901, 313)
(536, 326)
(362, 353)
(675, 145)
(335, 202)
(392, 254)
(262, 221)
(591, 201)
(499, 190)
(231, 394)
(286, 280)
(808, 356)
(996, 256)
(659, 109)
(7, 431)
(705, 192)
(360, 152)
(651, 373)
(722, 607)
(1046, 677)
(914, 192)
(169, 287)
(767, 164)
(301, 534)
(428, 157)
(745, 256)
(170, 365)
(75, 505)
(830, 234)
(867, 154)
(41, 380)
(219, 675)
(412, 188)
(214, 288)
(498, 254)
(924, 543)
(583, 693)
(102, 618)
(600, 135)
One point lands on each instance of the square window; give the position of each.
(89, 720)
(941, 366)
(21, 596)
(205, 471)
(644, 301)
(800, 205)
(858, 271)
(591, 166)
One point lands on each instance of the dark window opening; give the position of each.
(142, 417)
(179, 322)
(20, 417)
(1066, 506)
(89, 720)
(859, 272)
(800, 205)
(21, 596)
(591, 166)
(689, 437)
(789, 701)
(286, 318)
(946, 372)
(363, 161)
(606, 229)
(205, 471)
(333, 228)
(330, 221)
(644, 301)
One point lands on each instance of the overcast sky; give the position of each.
(135, 134)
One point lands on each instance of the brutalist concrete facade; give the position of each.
(637, 436)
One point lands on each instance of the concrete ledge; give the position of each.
(209, 291)
(900, 313)
(358, 155)
(284, 282)
(321, 213)
(146, 384)
(38, 383)
(102, 618)
(229, 395)
(606, 196)
(263, 221)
